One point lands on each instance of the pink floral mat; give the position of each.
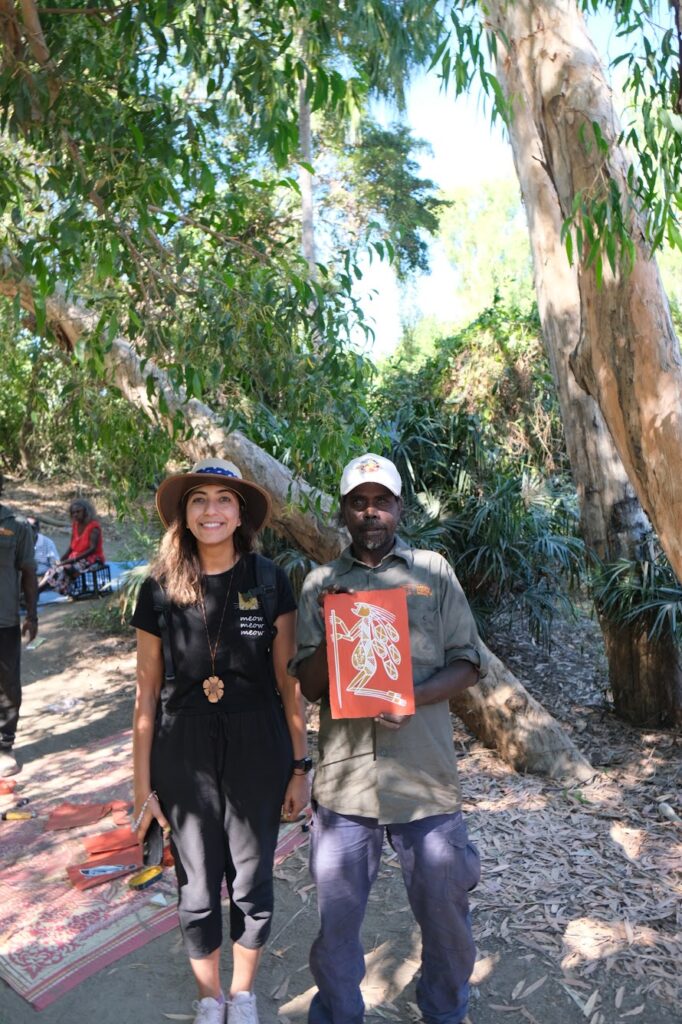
(51, 936)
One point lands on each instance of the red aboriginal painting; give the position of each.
(368, 653)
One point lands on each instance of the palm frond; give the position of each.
(644, 592)
(129, 588)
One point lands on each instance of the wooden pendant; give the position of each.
(214, 688)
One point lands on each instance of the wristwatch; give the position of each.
(303, 764)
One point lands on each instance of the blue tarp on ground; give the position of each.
(117, 570)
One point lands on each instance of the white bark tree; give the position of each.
(305, 180)
(613, 350)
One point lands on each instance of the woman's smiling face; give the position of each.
(212, 514)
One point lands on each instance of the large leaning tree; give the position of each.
(133, 151)
(594, 223)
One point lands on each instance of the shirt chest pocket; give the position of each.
(426, 634)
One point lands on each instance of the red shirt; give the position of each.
(80, 542)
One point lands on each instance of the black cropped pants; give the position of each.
(221, 780)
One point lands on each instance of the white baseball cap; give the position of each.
(372, 469)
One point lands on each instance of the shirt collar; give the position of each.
(399, 550)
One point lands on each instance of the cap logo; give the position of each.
(216, 471)
(369, 466)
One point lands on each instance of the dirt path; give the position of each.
(577, 918)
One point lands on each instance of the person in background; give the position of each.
(393, 775)
(219, 731)
(17, 575)
(45, 550)
(85, 550)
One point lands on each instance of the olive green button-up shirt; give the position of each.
(364, 768)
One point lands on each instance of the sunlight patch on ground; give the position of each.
(510, 801)
(484, 968)
(603, 791)
(388, 974)
(630, 840)
(61, 704)
(299, 1004)
(587, 939)
(84, 770)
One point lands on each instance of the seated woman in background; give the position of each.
(85, 549)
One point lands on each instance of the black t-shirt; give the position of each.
(243, 660)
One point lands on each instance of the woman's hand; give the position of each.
(297, 796)
(143, 815)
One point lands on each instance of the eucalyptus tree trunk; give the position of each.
(621, 337)
(498, 710)
(305, 180)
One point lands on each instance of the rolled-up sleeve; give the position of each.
(462, 642)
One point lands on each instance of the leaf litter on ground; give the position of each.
(590, 878)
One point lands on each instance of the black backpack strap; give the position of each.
(266, 592)
(162, 609)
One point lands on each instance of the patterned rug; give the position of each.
(51, 936)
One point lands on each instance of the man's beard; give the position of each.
(379, 537)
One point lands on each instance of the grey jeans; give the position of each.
(439, 867)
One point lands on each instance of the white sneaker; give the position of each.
(209, 1011)
(241, 1009)
(8, 764)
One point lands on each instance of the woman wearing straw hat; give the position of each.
(219, 737)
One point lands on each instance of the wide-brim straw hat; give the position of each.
(172, 490)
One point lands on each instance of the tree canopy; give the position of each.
(148, 167)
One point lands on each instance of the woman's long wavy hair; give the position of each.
(177, 567)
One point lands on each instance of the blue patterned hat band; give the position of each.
(218, 470)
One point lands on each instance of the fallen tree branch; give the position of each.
(502, 714)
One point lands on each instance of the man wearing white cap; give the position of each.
(391, 774)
